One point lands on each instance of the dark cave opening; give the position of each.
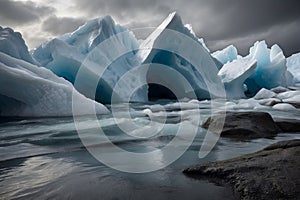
(156, 92)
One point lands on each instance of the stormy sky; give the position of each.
(219, 22)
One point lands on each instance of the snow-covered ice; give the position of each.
(293, 64)
(226, 55)
(264, 94)
(29, 90)
(284, 106)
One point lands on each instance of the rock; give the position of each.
(243, 125)
(264, 94)
(288, 126)
(273, 173)
(283, 145)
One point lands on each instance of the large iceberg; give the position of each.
(172, 45)
(94, 58)
(293, 64)
(97, 57)
(30, 90)
(271, 70)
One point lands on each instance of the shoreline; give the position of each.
(272, 173)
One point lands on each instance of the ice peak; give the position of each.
(173, 18)
(92, 33)
(13, 44)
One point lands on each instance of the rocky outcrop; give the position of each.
(288, 125)
(272, 173)
(244, 125)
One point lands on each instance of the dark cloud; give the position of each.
(19, 12)
(244, 22)
(60, 25)
(285, 35)
(240, 22)
(235, 18)
(219, 22)
(128, 11)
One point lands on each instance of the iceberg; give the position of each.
(12, 43)
(233, 76)
(94, 58)
(172, 45)
(29, 90)
(293, 65)
(226, 55)
(271, 70)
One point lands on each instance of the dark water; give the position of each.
(44, 158)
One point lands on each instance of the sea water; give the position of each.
(44, 158)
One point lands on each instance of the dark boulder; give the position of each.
(289, 125)
(243, 125)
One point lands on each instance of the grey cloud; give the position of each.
(60, 25)
(125, 11)
(218, 21)
(235, 18)
(19, 12)
(285, 36)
